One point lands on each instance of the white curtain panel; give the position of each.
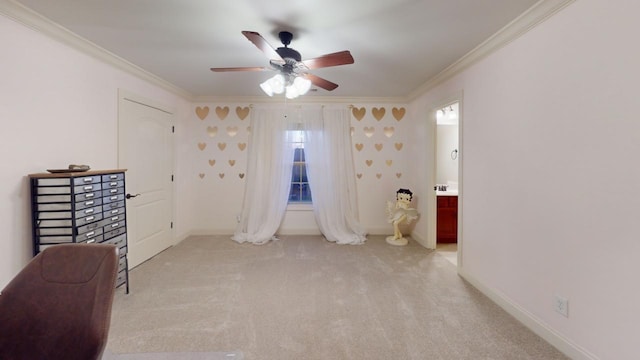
(329, 164)
(268, 180)
(330, 170)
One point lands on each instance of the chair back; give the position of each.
(59, 305)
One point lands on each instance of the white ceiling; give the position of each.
(398, 45)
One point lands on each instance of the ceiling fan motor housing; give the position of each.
(285, 37)
(286, 52)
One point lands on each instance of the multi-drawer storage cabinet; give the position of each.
(81, 207)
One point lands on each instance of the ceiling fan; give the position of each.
(288, 62)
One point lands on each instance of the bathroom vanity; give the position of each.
(447, 216)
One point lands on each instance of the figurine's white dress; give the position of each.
(396, 214)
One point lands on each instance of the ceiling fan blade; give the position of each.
(335, 59)
(263, 45)
(227, 69)
(320, 82)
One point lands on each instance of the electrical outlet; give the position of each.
(561, 306)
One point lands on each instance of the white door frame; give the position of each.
(432, 210)
(125, 95)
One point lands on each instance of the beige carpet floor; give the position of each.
(305, 298)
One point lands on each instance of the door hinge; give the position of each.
(172, 224)
(173, 129)
(172, 178)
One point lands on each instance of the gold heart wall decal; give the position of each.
(212, 162)
(358, 113)
(369, 130)
(232, 162)
(221, 146)
(241, 175)
(202, 146)
(398, 113)
(232, 130)
(222, 112)
(369, 162)
(398, 146)
(378, 175)
(398, 175)
(378, 146)
(388, 131)
(242, 146)
(212, 131)
(378, 113)
(202, 112)
(389, 162)
(201, 175)
(221, 175)
(359, 175)
(359, 147)
(242, 112)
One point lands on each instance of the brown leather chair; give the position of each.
(59, 305)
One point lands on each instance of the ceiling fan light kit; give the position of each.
(292, 86)
(293, 77)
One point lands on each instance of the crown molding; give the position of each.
(39, 23)
(537, 14)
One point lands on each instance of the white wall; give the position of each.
(386, 146)
(217, 153)
(57, 107)
(551, 190)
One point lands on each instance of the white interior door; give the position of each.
(145, 149)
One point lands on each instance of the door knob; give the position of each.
(129, 196)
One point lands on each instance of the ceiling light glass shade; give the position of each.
(302, 85)
(292, 92)
(277, 83)
(266, 87)
(274, 85)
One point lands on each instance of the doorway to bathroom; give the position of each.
(446, 189)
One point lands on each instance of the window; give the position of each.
(300, 191)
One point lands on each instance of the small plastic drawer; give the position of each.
(89, 219)
(87, 196)
(82, 180)
(113, 177)
(87, 188)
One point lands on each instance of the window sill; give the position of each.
(300, 207)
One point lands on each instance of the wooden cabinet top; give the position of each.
(75, 173)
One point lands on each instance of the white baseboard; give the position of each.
(422, 240)
(536, 325)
